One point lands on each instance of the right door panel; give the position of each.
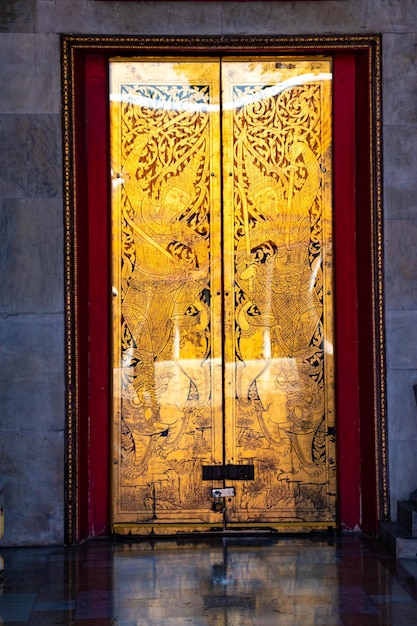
(278, 290)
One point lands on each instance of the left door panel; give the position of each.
(167, 309)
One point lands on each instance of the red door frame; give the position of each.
(361, 424)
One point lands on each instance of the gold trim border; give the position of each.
(70, 285)
(215, 45)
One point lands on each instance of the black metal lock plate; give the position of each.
(228, 472)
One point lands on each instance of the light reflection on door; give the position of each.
(222, 293)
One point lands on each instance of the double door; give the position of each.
(223, 382)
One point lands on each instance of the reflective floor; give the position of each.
(232, 581)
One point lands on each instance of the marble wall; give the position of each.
(32, 379)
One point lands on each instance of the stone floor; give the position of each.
(233, 581)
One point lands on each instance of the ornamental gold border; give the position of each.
(219, 45)
(70, 299)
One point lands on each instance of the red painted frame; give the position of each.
(99, 289)
(92, 308)
(354, 302)
(347, 375)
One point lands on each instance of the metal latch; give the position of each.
(218, 497)
(226, 492)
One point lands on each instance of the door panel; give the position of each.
(222, 304)
(278, 289)
(165, 150)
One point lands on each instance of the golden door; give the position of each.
(223, 390)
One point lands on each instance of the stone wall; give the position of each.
(32, 379)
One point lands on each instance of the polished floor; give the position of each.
(233, 581)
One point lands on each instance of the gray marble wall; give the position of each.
(31, 253)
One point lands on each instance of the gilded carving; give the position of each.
(283, 328)
(162, 173)
(165, 262)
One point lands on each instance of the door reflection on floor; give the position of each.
(238, 581)
(228, 581)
